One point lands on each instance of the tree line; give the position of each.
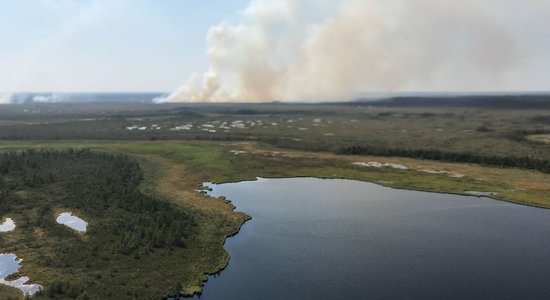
(523, 162)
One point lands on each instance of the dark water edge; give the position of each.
(326, 239)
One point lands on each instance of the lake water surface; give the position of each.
(342, 239)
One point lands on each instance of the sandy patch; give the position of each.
(450, 174)
(481, 194)
(375, 164)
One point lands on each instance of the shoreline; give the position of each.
(225, 265)
(388, 186)
(227, 259)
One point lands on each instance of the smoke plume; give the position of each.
(5, 98)
(323, 49)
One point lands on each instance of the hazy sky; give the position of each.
(211, 50)
(111, 45)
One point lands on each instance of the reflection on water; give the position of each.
(9, 264)
(341, 239)
(72, 221)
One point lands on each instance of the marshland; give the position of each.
(151, 234)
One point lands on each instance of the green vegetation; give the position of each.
(183, 166)
(121, 237)
(9, 293)
(512, 101)
(475, 129)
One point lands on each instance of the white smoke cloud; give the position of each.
(160, 99)
(52, 98)
(322, 49)
(5, 98)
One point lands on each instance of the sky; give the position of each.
(264, 50)
(120, 45)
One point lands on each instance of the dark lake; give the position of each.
(342, 239)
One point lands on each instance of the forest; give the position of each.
(513, 101)
(125, 225)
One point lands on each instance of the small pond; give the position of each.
(7, 226)
(9, 264)
(72, 221)
(341, 239)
